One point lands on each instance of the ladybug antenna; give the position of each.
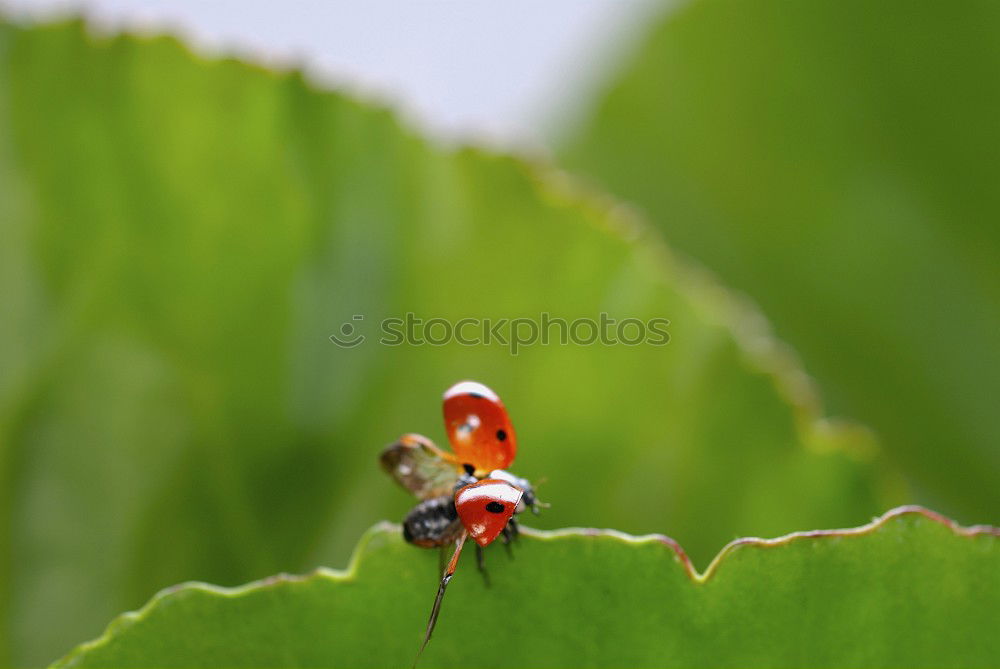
(532, 501)
(539, 505)
(452, 565)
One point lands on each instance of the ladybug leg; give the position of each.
(515, 532)
(448, 572)
(505, 534)
(481, 563)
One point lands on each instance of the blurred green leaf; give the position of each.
(907, 591)
(837, 161)
(182, 237)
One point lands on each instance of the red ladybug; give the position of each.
(466, 493)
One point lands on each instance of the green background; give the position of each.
(181, 237)
(837, 161)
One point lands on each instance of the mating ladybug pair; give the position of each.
(467, 493)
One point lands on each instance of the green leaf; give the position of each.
(836, 161)
(909, 590)
(181, 238)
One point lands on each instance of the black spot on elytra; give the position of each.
(495, 507)
(502, 435)
(469, 469)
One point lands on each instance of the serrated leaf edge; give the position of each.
(383, 528)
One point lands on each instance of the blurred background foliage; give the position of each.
(181, 237)
(839, 163)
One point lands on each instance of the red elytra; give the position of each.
(478, 427)
(485, 508)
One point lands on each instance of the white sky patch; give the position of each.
(491, 73)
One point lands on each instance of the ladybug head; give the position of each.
(485, 507)
(530, 499)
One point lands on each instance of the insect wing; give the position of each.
(420, 466)
(478, 427)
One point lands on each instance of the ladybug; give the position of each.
(467, 493)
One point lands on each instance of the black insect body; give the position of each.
(433, 522)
